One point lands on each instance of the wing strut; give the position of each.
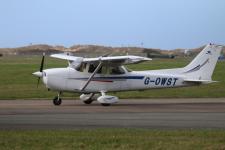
(92, 75)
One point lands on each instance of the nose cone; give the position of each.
(38, 74)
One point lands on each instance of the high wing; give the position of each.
(110, 60)
(67, 57)
(129, 59)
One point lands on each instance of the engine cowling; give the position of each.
(107, 99)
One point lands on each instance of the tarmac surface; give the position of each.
(135, 113)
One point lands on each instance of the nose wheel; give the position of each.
(57, 100)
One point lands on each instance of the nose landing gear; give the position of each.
(57, 100)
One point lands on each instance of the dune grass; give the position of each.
(17, 82)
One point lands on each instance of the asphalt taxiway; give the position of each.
(135, 113)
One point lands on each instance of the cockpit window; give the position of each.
(82, 67)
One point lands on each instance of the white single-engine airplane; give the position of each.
(90, 76)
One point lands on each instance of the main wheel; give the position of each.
(88, 101)
(57, 101)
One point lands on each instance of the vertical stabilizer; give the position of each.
(203, 65)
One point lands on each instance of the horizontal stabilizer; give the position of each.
(199, 81)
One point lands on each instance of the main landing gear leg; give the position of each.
(57, 100)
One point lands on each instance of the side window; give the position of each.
(91, 68)
(116, 70)
(127, 69)
(105, 70)
(100, 71)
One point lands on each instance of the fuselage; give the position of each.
(70, 80)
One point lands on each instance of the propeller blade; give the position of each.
(41, 67)
(42, 62)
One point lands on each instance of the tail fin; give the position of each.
(202, 67)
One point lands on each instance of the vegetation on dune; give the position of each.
(111, 139)
(96, 50)
(17, 81)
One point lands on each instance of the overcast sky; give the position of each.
(165, 24)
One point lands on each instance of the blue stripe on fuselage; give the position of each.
(111, 78)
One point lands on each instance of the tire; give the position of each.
(57, 101)
(88, 101)
(105, 104)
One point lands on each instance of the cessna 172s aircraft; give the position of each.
(91, 76)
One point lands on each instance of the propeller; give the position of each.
(39, 73)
